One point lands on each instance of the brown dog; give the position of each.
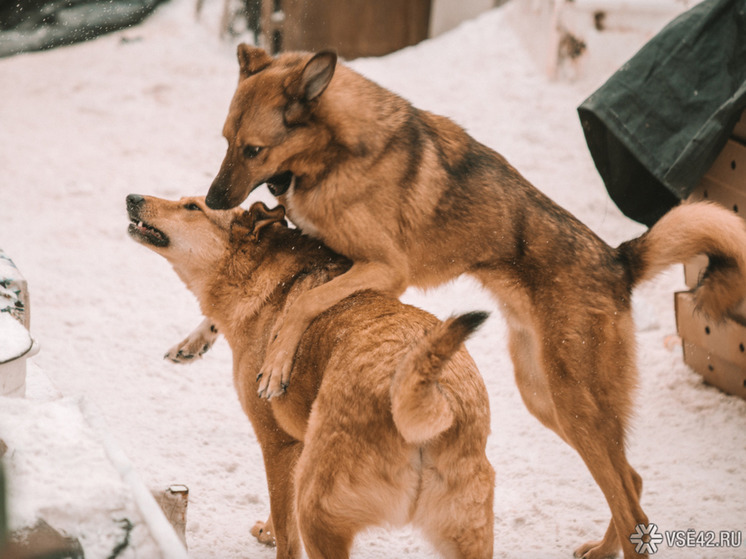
(387, 419)
(413, 200)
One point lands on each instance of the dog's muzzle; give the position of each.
(280, 183)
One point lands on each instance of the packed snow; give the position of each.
(141, 111)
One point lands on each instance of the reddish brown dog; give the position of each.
(387, 418)
(413, 200)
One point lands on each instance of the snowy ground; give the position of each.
(142, 111)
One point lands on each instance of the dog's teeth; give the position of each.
(139, 224)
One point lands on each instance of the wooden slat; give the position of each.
(718, 372)
(726, 339)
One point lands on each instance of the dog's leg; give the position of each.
(615, 477)
(465, 528)
(595, 429)
(564, 401)
(321, 542)
(609, 545)
(530, 378)
(280, 457)
(275, 373)
(329, 513)
(195, 345)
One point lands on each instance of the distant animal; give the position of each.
(413, 200)
(387, 418)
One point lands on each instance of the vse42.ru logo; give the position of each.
(647, 538)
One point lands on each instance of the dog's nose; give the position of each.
(134, 200)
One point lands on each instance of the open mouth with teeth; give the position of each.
(280, 183)
(141, 231)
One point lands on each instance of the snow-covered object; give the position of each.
(15, 341)
(63, 466)
(13, 291)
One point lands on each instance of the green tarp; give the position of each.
(655, 127)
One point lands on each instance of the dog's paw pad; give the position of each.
(179, 356)
(195, 345)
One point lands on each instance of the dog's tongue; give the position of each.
(280, 183)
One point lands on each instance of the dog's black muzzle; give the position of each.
(134, 203)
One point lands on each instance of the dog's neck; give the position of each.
(377, 114)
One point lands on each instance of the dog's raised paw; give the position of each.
(195, 345)
(274, 377)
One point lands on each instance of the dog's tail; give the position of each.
(420, 408)
(685, 232)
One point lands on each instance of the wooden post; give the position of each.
(173, 501)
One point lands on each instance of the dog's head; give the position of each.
(270, 123)
(190, 235)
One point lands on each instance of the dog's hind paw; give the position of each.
(263, 533)
(195, 345)
(596, 550)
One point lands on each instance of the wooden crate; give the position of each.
(352, 27)
(717, 351)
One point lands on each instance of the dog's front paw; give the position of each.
(275, 372)
(195, 345)
(263, 533)
(275, 375)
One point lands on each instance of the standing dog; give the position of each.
(387, 418)
(413, 200)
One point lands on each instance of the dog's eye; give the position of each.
(192, 207)
(250, 152)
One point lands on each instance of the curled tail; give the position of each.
(685, 232)
(420, 408)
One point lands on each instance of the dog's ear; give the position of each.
(309, 85)
(252, 222)
(251, 60)
(317, 74)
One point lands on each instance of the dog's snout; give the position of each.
(134, 201)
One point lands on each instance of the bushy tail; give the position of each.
(685, 232)
(420, 408)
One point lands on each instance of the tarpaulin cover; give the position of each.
(656, 126)
(29, 25)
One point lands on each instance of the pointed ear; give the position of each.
(312, 82)
(317, 74)
(260, 217)
(251, 60)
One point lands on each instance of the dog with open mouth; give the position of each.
(387, 418)
(413, 200)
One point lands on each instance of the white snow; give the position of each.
(15, 338)
(142, 111)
